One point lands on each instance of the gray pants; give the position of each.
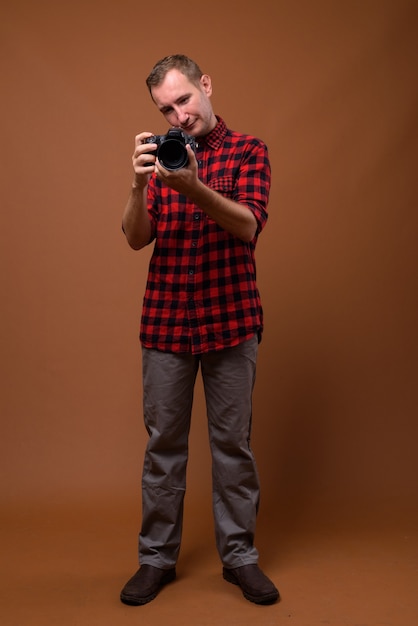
(168, 384)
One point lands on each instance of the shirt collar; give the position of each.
(215, 138)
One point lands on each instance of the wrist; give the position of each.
(138, 187)
(140, 183)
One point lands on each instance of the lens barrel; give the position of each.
(172, 154)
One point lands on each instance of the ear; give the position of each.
(206, 84)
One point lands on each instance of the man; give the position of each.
(201, 309)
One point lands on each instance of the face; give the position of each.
(185, 104)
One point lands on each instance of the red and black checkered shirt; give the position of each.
(201, 293)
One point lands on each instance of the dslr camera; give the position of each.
(171, 148)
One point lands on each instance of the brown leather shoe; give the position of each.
(255, 585)
(145, 584)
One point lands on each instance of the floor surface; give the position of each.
(66, 568)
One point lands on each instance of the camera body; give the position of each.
(171, 148)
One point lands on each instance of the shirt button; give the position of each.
(194, 244)
(191, 272)
(196, 216)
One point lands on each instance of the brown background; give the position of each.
(332, 88)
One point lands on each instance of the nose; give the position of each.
(182, 116)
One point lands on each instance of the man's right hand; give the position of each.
(142, 160)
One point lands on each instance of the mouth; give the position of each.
(188, 129)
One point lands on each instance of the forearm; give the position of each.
(135, 221)
(233, 217)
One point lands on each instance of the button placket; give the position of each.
(193, 245)
(192, 303)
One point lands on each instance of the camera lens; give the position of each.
(172, 154)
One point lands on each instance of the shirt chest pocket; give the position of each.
(223, 185)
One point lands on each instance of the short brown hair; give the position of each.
(180, 62)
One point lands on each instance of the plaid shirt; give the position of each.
(201, 293)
